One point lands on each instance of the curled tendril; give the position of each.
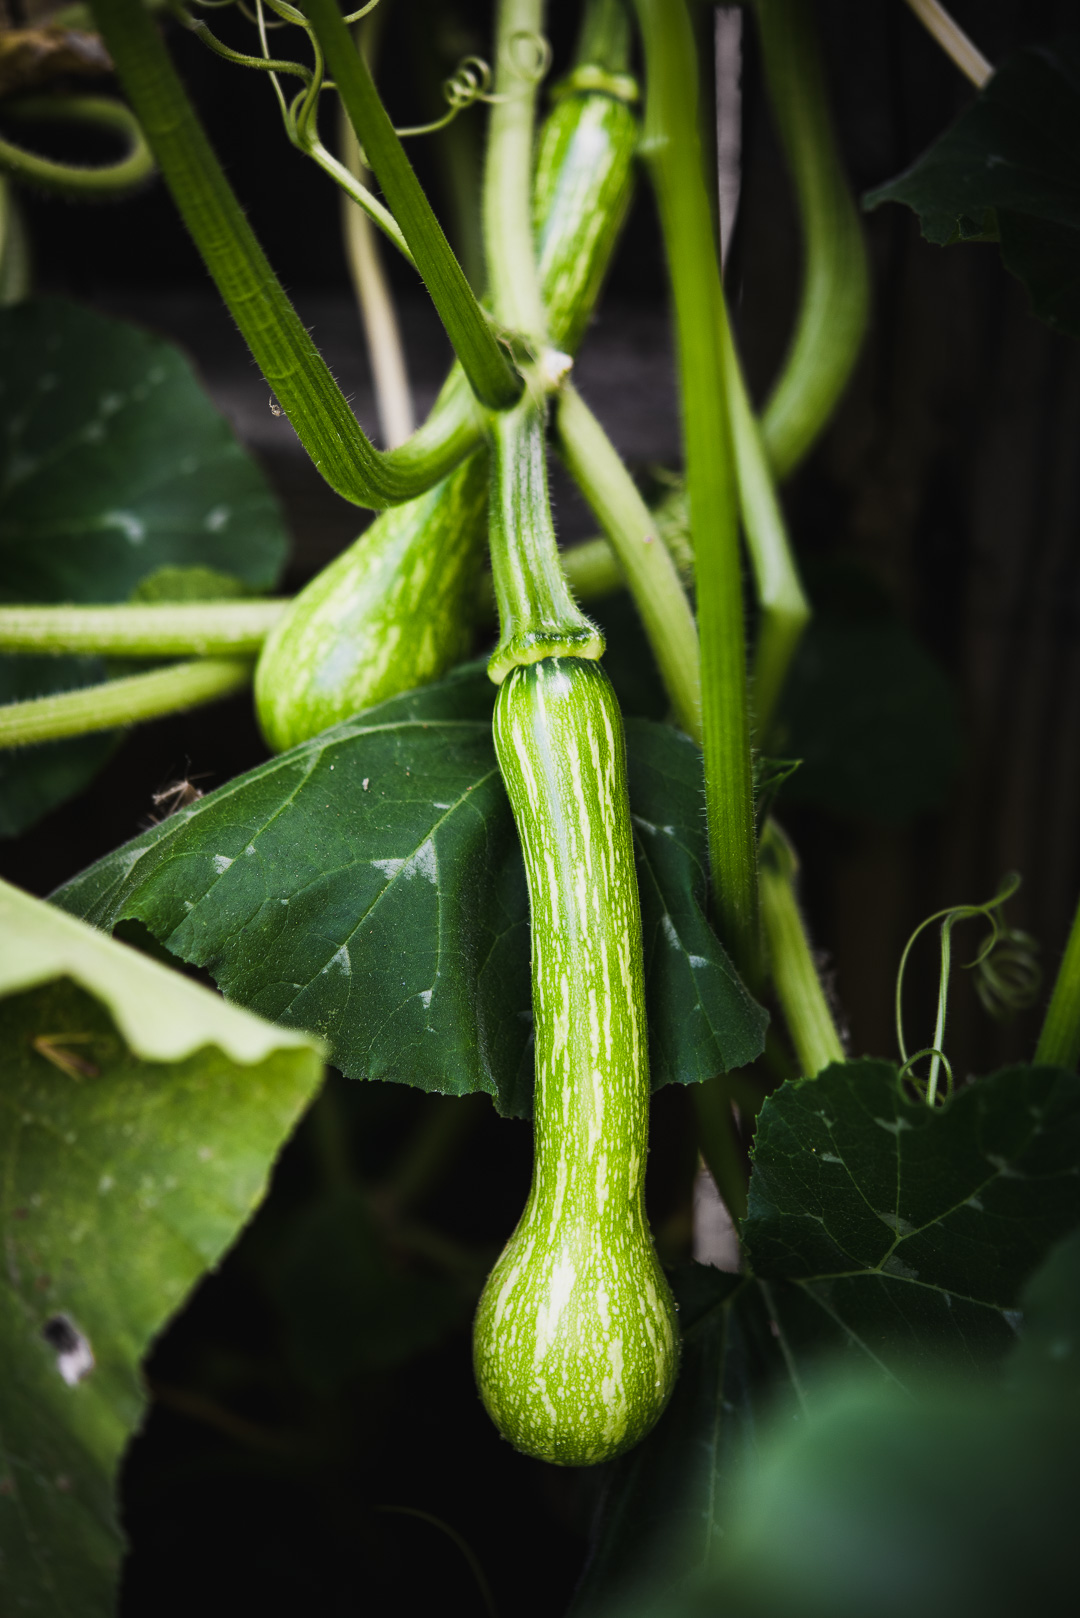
(1007, 975)
(1008, 978)
(920, 1084)
(470, 82)
(529, 55)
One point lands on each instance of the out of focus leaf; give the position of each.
(1008, 170)
(114, 465)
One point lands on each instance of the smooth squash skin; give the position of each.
(390, 613)
(575, 1343)
(396, 609)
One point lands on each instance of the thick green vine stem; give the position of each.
(280, 343)
(673, 150)
(575, 1342)
(77, 180)
(537, 614)
(794, 974)
(484, 361)
(646, 562)
(834, 304)
(1059, 1042)
(513, 278)
(142, 629)
(122, 702)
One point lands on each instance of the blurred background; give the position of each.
(942, 506)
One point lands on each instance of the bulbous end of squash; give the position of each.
(392, 612)
(575, 1343)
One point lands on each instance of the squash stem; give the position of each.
(507, 198)
(1059, 1042)
(127, 701)
(947, 33)
(491, 375)
(785, 610)
(393, 397)
(798, 986)
(537, 614)
(672, 147)
(280, 343)
(835, 298)
(646, 562)
(719, 1144)
(143, 629)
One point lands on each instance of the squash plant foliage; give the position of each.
(462, 870)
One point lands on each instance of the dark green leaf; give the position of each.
(901, 1233)
(1009, 170)
(962, 1500)
(347, 1304)
(113, 465)
(701, 1019)
(139, 1118)
(368, 885)
(872, 718)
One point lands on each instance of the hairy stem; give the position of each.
(1059, 1042)
(491, 375)
(280, 343)
(650, 572)
(537, 614)
(834, 304)
(158, 629)
(122, 702)
(785, 610)
(798, 987)
(507, 202)
(393, 397)
(672, 147)
(719, 1144)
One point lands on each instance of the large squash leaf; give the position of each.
(139, 1119)
(113, 465)
(369, 885)
(1009, 171)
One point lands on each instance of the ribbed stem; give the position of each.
(672, 147)
(161, 629)
(785, 610)
(646, 562)
(280, 343)
(513, 279)
(491, 376)
(798, 987)
(1059, 1042)
(393, 397)
(121, 702)
(834, 305)
(537, 614)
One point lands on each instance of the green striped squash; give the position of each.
(396, 609)
(575, 1343)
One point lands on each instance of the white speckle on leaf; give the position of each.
(698, 961)
(133, 528)
(425, 996)
(74, 1356)
(216, 519)
(221, 863)
(902, 1226)
(342, 960)
(205, 1153)
(895, 1126)
(105, 1184)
